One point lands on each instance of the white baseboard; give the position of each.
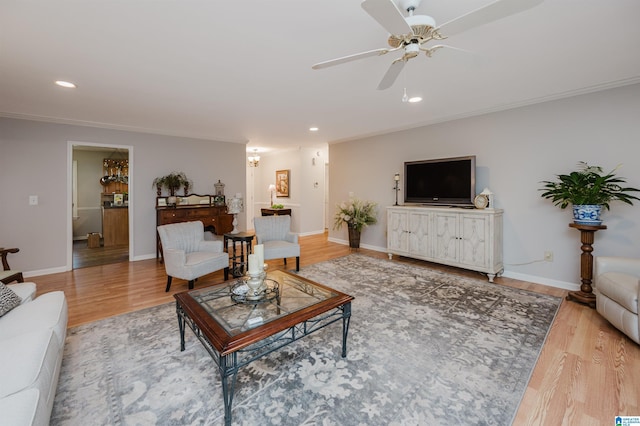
(306, 234)
(542, 280)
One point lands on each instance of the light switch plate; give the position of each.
(33, 200)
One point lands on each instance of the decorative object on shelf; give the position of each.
(396, 179)
(254, 159)
(234, 207)
(219, 188)
(277, 206)
(271, 189)
(484, 199)
(282, 183)
(356, 214)
(172, 183)
(588, 189)
(481, 201)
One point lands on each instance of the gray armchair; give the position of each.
(617, 289)
(274, 232)
(187, 255)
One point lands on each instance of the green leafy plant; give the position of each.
(356, 214)
(588, 185)
(172, 182)
(277, 206)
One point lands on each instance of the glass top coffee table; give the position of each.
(236, 331)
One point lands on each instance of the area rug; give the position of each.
(424, 348)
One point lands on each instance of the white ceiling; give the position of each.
(240, 71)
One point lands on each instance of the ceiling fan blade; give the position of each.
(392, 73)
(387, 14)
(342, 60)
(492, 12)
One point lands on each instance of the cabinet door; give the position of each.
(420, 234)
(397, 231)
(474, 230)
(446, 236)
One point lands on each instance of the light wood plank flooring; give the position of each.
(587, 373)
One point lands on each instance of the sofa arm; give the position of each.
(625, 265)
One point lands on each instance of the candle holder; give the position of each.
(396, 179)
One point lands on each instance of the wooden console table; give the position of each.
(275, 212)
(191, 208)
(587, 237)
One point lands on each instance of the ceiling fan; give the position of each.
(410, 34)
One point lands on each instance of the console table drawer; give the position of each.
(172, 216)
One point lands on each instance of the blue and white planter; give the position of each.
(587, 214)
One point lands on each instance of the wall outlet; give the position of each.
(548, 256)
(33, 200)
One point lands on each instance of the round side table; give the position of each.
(239, 261)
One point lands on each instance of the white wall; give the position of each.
(34, 161)
(515, 150)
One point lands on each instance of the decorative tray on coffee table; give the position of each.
(239, 290)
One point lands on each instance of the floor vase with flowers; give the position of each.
(354, 236)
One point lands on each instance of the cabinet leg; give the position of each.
(491, 277)
(390, 256)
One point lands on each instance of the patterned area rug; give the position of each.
(424, 348)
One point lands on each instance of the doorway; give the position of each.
(100, 225)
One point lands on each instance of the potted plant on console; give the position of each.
(172, 183)
(588, 189)
(356, 214)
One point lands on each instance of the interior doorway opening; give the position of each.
(101, 199)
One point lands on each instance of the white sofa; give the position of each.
(617, 290)
(32, 339)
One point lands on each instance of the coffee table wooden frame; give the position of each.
(230, 353)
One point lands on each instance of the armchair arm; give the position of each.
(291, 237)
(174, 259)
(625, 265)
(4, 252)
(211, 246)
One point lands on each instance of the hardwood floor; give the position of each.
(587, 373)
(84, 256)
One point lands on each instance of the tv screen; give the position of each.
(445, 181)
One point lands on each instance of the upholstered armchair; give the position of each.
(274, 232)
(187, 255)
(617, 289)
(8, 275)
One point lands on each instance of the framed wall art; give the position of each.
(282, 183)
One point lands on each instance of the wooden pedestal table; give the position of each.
(587, 236)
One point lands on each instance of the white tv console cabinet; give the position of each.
(465, 238)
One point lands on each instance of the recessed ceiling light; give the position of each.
(66, 84)
(313, 129)
(415, 99)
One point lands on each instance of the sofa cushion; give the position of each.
(621, 288)
(8, 299)
(48, 310)
(28, 360)
(26, 291)
(20, 408)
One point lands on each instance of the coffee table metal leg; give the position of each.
(228, 373)
(346, 318)
(181, 326)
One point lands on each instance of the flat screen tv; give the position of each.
(443, 181)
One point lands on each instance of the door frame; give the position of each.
(70, 147)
